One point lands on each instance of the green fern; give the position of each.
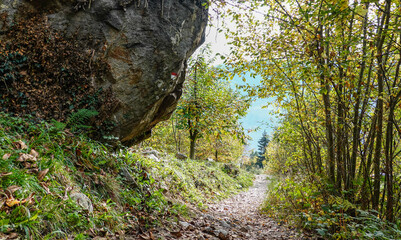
(79, 119)
(57, 126)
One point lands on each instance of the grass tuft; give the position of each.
(43, 163)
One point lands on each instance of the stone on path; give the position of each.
(238, 218)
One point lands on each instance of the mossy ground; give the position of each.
(42, 164)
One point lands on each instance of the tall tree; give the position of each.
(209, 106)
(333, 67)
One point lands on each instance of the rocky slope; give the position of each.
(143, 43)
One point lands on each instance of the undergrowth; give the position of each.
(300, 203)
(43, 165)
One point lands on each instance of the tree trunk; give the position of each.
(324, 84)
(376, 159)
(192, 147)
(357, 118)
(379, 107)
(368, 152)
(389, 163)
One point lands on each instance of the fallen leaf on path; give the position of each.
(177, 234)
(148, 236)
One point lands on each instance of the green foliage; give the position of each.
(333, 68)
(296, 201)
(196, 181)
(81, 118)
(39, 207)
(209, 108)
(167, 137)
(334, 73)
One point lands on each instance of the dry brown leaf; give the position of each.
(5, 174)
(11, 202)
(44, 186)
(147, 236)
(24, 157)
(34, 153)
(42, 174)
(29, 199)
(32, 170)
(27, 164)
(13, 188)
(12, 236)
(6, 156)
(20, 145)
(177, 234)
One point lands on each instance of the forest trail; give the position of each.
(235, 218)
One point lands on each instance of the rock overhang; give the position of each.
(145, 44)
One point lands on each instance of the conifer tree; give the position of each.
(262, 144)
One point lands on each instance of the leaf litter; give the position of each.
(235, 218)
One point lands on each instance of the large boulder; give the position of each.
(144, 43)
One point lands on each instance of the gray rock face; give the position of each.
(145, 44)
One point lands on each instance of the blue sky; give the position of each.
(259, 118)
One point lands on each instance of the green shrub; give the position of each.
(301, 203)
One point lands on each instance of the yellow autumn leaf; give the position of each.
(12, 202)
(344, 4)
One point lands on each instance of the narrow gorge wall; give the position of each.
(143, 45)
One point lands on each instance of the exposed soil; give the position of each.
(234, 218)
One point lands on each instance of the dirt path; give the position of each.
(235, 218)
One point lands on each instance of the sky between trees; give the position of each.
(258, 118)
